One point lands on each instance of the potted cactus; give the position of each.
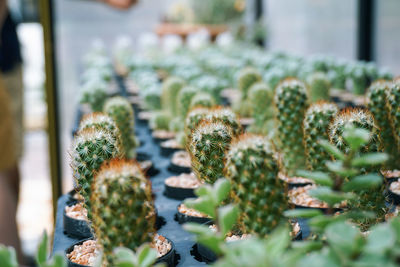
(260, 95)
(319, 86)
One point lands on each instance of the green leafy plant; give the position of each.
(145, 256)
(315, 127)
(122, 207)
(319, 86)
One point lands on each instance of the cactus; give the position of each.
(192, 119)
(160, 121)
(121, 111)
(358, 118)
(208, 145)
(252, 170)
(184, 98)
(246, 78)
(176, 125)
(169, 94)
(261, 97)
(393, 100)
(202, 99)
(94, 93)
(90, 148)
(315, 126)
(291, 104)
(378, 94)
(123, 207)
(227, 117)
(151, 98)
(319, 86)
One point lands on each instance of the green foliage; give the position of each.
(160, 121)
(261, 97)
(246, 78)
(252, 170)
(319, 86)
(121, 111)
(90, 148)
(145, 256)
(379, 106)
(184, 99)
(123, 207)
(8, 257)
(202, 99)
(315, 127)
(291, 105)
(94, 93)
(169, 94)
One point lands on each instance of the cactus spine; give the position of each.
(261, 97)
(193, 118)
(90, 148)
(169, 94)
(123, 207)
(227, 117)
(94, 93)
(160, 121)
(393, 100)
(202, 99)
(315, 126)
(209, 143)
(291, 104)
(319, 86)
(378, 104)
(121, 111)
(260, 194)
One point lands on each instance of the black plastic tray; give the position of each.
(178, 192)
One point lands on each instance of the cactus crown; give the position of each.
(209, 142)
(358, 118)
(89, 149)
(246, 78)
(226, 116)
(202, 99)
(315, 126)
(121, 111)
(169, 94)
(193, 118)
(291, 104)
(123, 207)
(160, 121)
(184, 98)
(393, 100)
(253, 170)
(94, 93)
(319, 86)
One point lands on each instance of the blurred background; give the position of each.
(352, 29)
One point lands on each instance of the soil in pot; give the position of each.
(181, 186)
(75, 221)
(144, 116)
(162, 135)
(294, 181)
(246, 122)
(148, 168)
(185, 214)
(394, 192)
(391, 175)
(170, 146)
(180, 162)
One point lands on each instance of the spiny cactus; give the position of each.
(226, 116)
(393, 100)
(169, 94)
(123, 207)
(94, 93)
(379, 106)
(253, 170)
(316, 126)
(90, 148)
(121, 111)
(358, 118)
(193, 118)
(261, 97)
(160, 121)
(246, 78)
(319, 86)
(202, 99)
(291, 104)
(184, 98)
(208, 145)
(152, 99)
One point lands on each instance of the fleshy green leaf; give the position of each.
(41, 255)
(381, 238)
(320, 178)
(125, 257)
(302, 213)
(204, 190)
(203, 204)
(331, 149)
(222, 188)
(227, 217)
(146, 256)
(356, 137)
(342, 237)
(197, 229)
(329, 196)
(371, 159)
(362, 182)
(8, 257)
(338, 168)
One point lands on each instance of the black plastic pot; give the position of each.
(178, 193)
(152, 171)
(142, 156)
(168, 151)
(76, 228)
(178, 169)
(206, 254)
(183, 218)
(70, 249)
(294, 185)
(393, 197)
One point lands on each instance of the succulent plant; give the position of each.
(202, 99)
(260, 195)
(169, 94)
(226, 116)
(193, 118)
(316, 127)
(122, 206)
(393, 100)
(358, 118)
(152, 99)
(121, 111)
(90, 148)
(319, 86)
(246, 78)
(160, 121)
(94, 93)
(378, 94)
(291, 104)
(208, 144)
(184, 98)
(261, 97)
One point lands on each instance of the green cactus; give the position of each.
(378, 102)
(123, 207)
(261, 97)
(246, 78)
(202, 99)
(226, 116)
(160, 121)
(176, 125)
(184, 98)
(252, 170)
(319, 86)
(121, 111)
(90, 148)
(193, 118)
(208, 145)
(152, 100)
(94, 93)
(169, 94)
(291, 104)
(316, 126)
(393, 100)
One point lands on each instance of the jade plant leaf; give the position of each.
(331, 149)
(41, 255)
(342, 237)
(356, 137)
(329, 196)
(320, 178)
(302, 213)
(221, 187)
(381, 238)
(363, 182)
(8, 257)
(204, 204)
(227, 217)
(370, 159)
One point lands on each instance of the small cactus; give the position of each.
(160, 121)
(94, 93)
(123, 207)
(226, 116)
(90, 148)
(379, 106)
(184, 98)
(246, 78)
(393, 100)
(202, 99)
(152, 99)
(261, 97)
(208, 145)
(169, 94)
(319, 86)
(193, 118)
(121, 111)
(253, 170)
(316, 126)
(291, 104)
